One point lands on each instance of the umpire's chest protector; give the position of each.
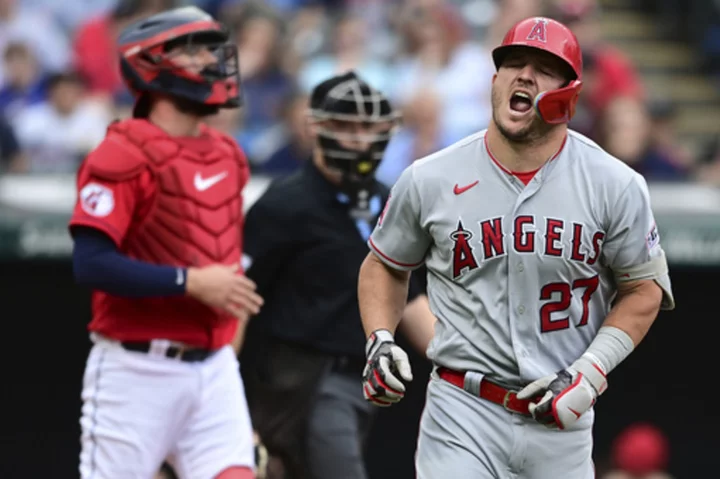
(191, 214)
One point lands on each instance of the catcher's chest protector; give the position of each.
(195, 217)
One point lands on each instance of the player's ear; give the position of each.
(494, 77)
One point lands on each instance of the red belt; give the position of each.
(490, 391)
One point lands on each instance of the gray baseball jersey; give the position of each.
(520, 277)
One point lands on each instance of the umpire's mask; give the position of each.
(354, 123)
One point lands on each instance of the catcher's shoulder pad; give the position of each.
(116, 158)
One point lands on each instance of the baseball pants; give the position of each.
(140, 409)
(338, 425)
(462, 435)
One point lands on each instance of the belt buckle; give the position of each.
(181, 350)
(506, 400)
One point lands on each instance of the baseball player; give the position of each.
(545, 271)
(157, 231)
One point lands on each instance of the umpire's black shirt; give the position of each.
(306, 251)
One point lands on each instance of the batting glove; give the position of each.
(567, 395)
(387, 369)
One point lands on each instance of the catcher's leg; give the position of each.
(131, 406)
(217, 435)
(462, 436)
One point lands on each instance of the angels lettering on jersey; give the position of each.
(547, 236)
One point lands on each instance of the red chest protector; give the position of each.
(191, 216)
(194, 216)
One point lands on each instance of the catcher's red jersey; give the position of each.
(165, 200)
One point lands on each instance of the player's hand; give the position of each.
(387, 369)
(567, 395)
(221, 286)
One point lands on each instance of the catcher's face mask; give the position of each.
(353, 127)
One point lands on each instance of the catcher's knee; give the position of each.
(236, 472)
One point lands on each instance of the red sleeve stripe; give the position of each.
(386, 257)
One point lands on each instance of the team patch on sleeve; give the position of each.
(97, 200)
(653, 237)
(384, 210)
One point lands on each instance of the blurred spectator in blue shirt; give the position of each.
(628, 132)
(294, 145)
(57, 134)
(38, 29)
(264, 81)
(666, 158)
(25, 84)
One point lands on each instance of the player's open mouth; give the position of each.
(520, 103)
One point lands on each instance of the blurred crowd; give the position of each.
(60, 85)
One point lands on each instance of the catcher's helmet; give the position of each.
(556, 106)
(146, 59)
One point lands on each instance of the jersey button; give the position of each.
(521, 309)
(521, 267)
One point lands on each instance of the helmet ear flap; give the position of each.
(558, 106)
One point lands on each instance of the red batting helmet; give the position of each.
(555, 106)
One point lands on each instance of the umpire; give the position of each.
(303, 357)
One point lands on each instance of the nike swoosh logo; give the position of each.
(203, 184)
(577, 414)
(460, 190)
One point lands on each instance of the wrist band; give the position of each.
(609, 348)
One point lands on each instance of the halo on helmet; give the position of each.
(544, 34)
